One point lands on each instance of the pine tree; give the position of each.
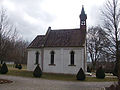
(115, 71)
(37, 72)
(81, 75)
(100, 73)
(19, 66)
(16, 66)
(4, 69)
(88, 69)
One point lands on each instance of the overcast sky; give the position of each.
(33, 17)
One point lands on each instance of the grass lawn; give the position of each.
(11, 66)
(63, 77)
(24, 73)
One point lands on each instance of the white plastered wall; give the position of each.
(61, 60)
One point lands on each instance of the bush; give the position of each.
(16, 66)
(0, 66)
(81, 75)
(88, 69)
(100, 73)
(37, 72)
(4, 69)
(19, 66)
(115, 71)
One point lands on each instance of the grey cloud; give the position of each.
(32, 8)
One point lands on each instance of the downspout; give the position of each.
(42, 57)
(85, 54)
(85, 58)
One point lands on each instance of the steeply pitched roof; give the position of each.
(83, 16)
(60, 38)
(37, 42)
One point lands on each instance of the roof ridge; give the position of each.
(40, 35)
(60, 38)
(65, 29)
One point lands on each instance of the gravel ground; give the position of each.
(22, 83)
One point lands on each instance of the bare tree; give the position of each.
(20, 51)
(111, 20)
(97, 43)
(6, 32)
(12, 47)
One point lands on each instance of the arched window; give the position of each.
(72, 57)
(52, 57)
(82, 22)
(37, 57)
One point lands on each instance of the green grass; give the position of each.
(17, 72)
(11, 66)
(94, 79)
(63, 77)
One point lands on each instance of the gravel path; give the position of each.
(22, 83)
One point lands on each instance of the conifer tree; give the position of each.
(100, 73)
(81, 75)
(37, 72)
(4, 69)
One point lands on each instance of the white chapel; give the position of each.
(60, 51)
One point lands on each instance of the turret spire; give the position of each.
(82, 11)
(83, 18)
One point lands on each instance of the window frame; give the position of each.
(72, 58)
(52, 58)
(37, 57)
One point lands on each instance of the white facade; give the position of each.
(61, 59)
(60, 51)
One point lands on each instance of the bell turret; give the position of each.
(83, 18)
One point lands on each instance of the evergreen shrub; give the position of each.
(37, 72)
(19, 66)
(115, 71)
(81, 75)
(88, 69)
(16, 66)
(100, 73)
(4, 69)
